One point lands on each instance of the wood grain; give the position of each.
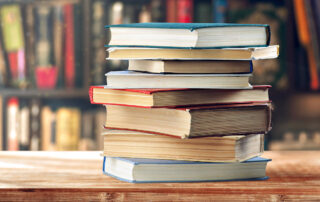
(77, 176)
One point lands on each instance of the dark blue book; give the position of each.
(189, 35)
(138, 170)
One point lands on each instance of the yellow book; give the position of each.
(68, 128)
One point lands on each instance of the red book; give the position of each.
(153, 98)
(69, 62)
(188, 122)
(13, 63)
(185, 11)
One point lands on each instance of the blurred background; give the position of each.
(52, 51)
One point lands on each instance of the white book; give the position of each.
(130, 79)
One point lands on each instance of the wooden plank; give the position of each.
(78, 176)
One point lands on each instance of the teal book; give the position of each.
(139, 170)
(189, 35)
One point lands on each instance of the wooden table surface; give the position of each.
(77, 176)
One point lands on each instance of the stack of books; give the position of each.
(185, 110)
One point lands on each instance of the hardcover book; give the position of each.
(189, 35)
(176, 97)
(192, 66)
(137, 170)
(131, 79)
(187, 122)
(118, 143)
(257, 53)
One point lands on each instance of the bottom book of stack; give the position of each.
(139, 157)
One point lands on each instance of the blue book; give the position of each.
(189, 35)
(139, 170)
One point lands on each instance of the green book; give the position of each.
(189, 35)
(12, 30)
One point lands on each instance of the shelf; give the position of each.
(56, 93)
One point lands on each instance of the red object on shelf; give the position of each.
(46, 77)
(69, 62)
(185, 11)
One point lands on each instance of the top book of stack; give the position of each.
(215, 41)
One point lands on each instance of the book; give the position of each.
(257, 53)
(220, 8)
(68, 128)
(13, 38)
(171, 7)
(45, 71)
(192, 66)
(12, 124)
(189, 35)
(202, 11)
(24, 126)
(305, 39)
(47, 116)
(185, 11)
(35, 130)
(138, 170)
(188, 122)
(69, 48)
(157, 11)
(131, 79)
(175, 97)
(118, 143)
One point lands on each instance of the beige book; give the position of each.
(194, 54)
(119, 143)
(190, 122)
(191, 66)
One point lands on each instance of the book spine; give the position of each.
(58, 34)
(68, 128)
(78, 35)
(35, 111)
(315, 39)
(12, 124)
(12, 33)
(185, 11)
(69, 62)
(220, 9)
(3, 66)
(305, 40)
(171, 10)
(157, 11)
(98, 63)
(24, 126)
(30, 43)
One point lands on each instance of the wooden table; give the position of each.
(77, 176)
